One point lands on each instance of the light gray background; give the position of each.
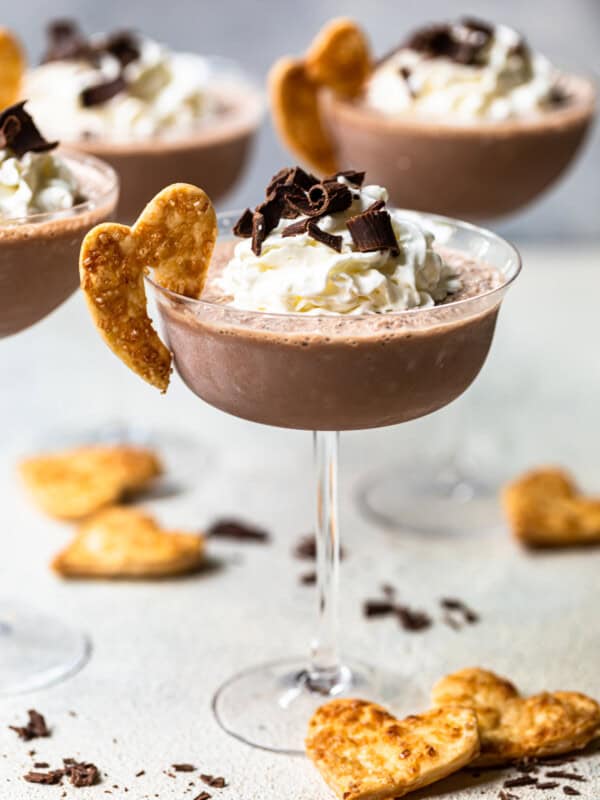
(256, 32)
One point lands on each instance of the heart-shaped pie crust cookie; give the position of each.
(545, 509)
(365, 753)
(512, 727)
(175, 236)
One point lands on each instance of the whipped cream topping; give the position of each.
(507, 80)
(298, 274)
(165, 93)
(35, 183)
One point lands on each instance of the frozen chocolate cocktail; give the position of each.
(462, 118)
(49, 199)
(155, 115)
(324, 308)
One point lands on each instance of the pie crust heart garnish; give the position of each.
(340, 57)
(512, 727)
(74, 483)
(175, 236)
(365, 753)
(545, 509)
(12, 68)
(123, 542)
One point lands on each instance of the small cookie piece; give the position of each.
(512, 727)
(72, 484)
(12, 68)
(126, 543)
(295, 109)
(340, 57)
(545, 509)
(175, 235)
(365, 753)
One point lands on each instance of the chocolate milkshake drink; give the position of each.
(156, 116)
(49, 199)
(324, 309)
(462, 118)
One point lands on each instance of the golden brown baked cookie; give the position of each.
(365, 753)
(512, 727)
(175, 235)
(545, 509)
(127, 543)
(12, 68)
(74, 483)
(340, 57)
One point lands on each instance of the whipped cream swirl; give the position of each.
(165, 94)
(508, 80)
(297, 274)
(34, 184)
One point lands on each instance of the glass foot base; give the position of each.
(269, 706)
(36, 650)
(442, 501)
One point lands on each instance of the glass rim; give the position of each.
(465, 303)
(89, 204)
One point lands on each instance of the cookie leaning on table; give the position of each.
(365, 753)
(512, 727)
(175, 236)
(74, 483)
(127, 543)
(545, 508)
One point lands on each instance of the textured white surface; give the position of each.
(160, 650)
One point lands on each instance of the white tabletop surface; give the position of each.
(161, 649)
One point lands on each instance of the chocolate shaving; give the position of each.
(19, 132)
(306, 549)
(297, 228)
(378, 608)
(372, 230)
(259, 233)
(453, 604)
(479, 25)
(353, 177)
(568, 776)
(547, 785)
(66, 43)
(507, 795)
(291, 176)
(523, 780)
(203, 796)
(102, 92)
(243, 227)
(233, 529)
(215, 782)
(81, 773)
(46, 778)
(413, 620)
(462, 43)
(124, 46)
(183, 767)
(41, 765)
(321, 199)
(35, 728)
(329, 239)
(308, 578)
(570, 790)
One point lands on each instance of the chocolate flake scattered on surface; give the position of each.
(412, 619)
(308, 578)
(306, 548)
(547, 785)
(507, 795)
(451, 604)
(372, 230)
(81, 773)
(35, 728)
(378, 608)
(217, 782)
(567, 776)
(41, 765)
(140, 773)
(523, 780)
(240, 531)
(183, 767)
(570, 790)
(203, 796)
(51, 778)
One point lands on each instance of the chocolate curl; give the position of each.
(353, 177)
(19, 132)
(292, 176)
(102, 92)
(461, 43)
(372, 230)
(258, 232)
(329, 239)
(323, 198)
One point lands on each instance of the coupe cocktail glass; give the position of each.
(38, 272)
(327, 374)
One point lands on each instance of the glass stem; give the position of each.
(325, 669)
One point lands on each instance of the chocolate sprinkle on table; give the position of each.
(507, 795)
(239, 531)
(140, 773)
(80, 773)
(378, 608)
(46, 778)
(306, 548)
(203, 796)
(570, 790)
(19, 132)
(215, 782)
(183, 767)
(308, 578)
(413, 620)
(453, 604)
(372, 230)
(547, 785)
(523, 780)
(568, 776)
(35, 728)
(41, 765)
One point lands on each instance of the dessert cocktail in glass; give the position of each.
(38, 271)
(328, 374)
